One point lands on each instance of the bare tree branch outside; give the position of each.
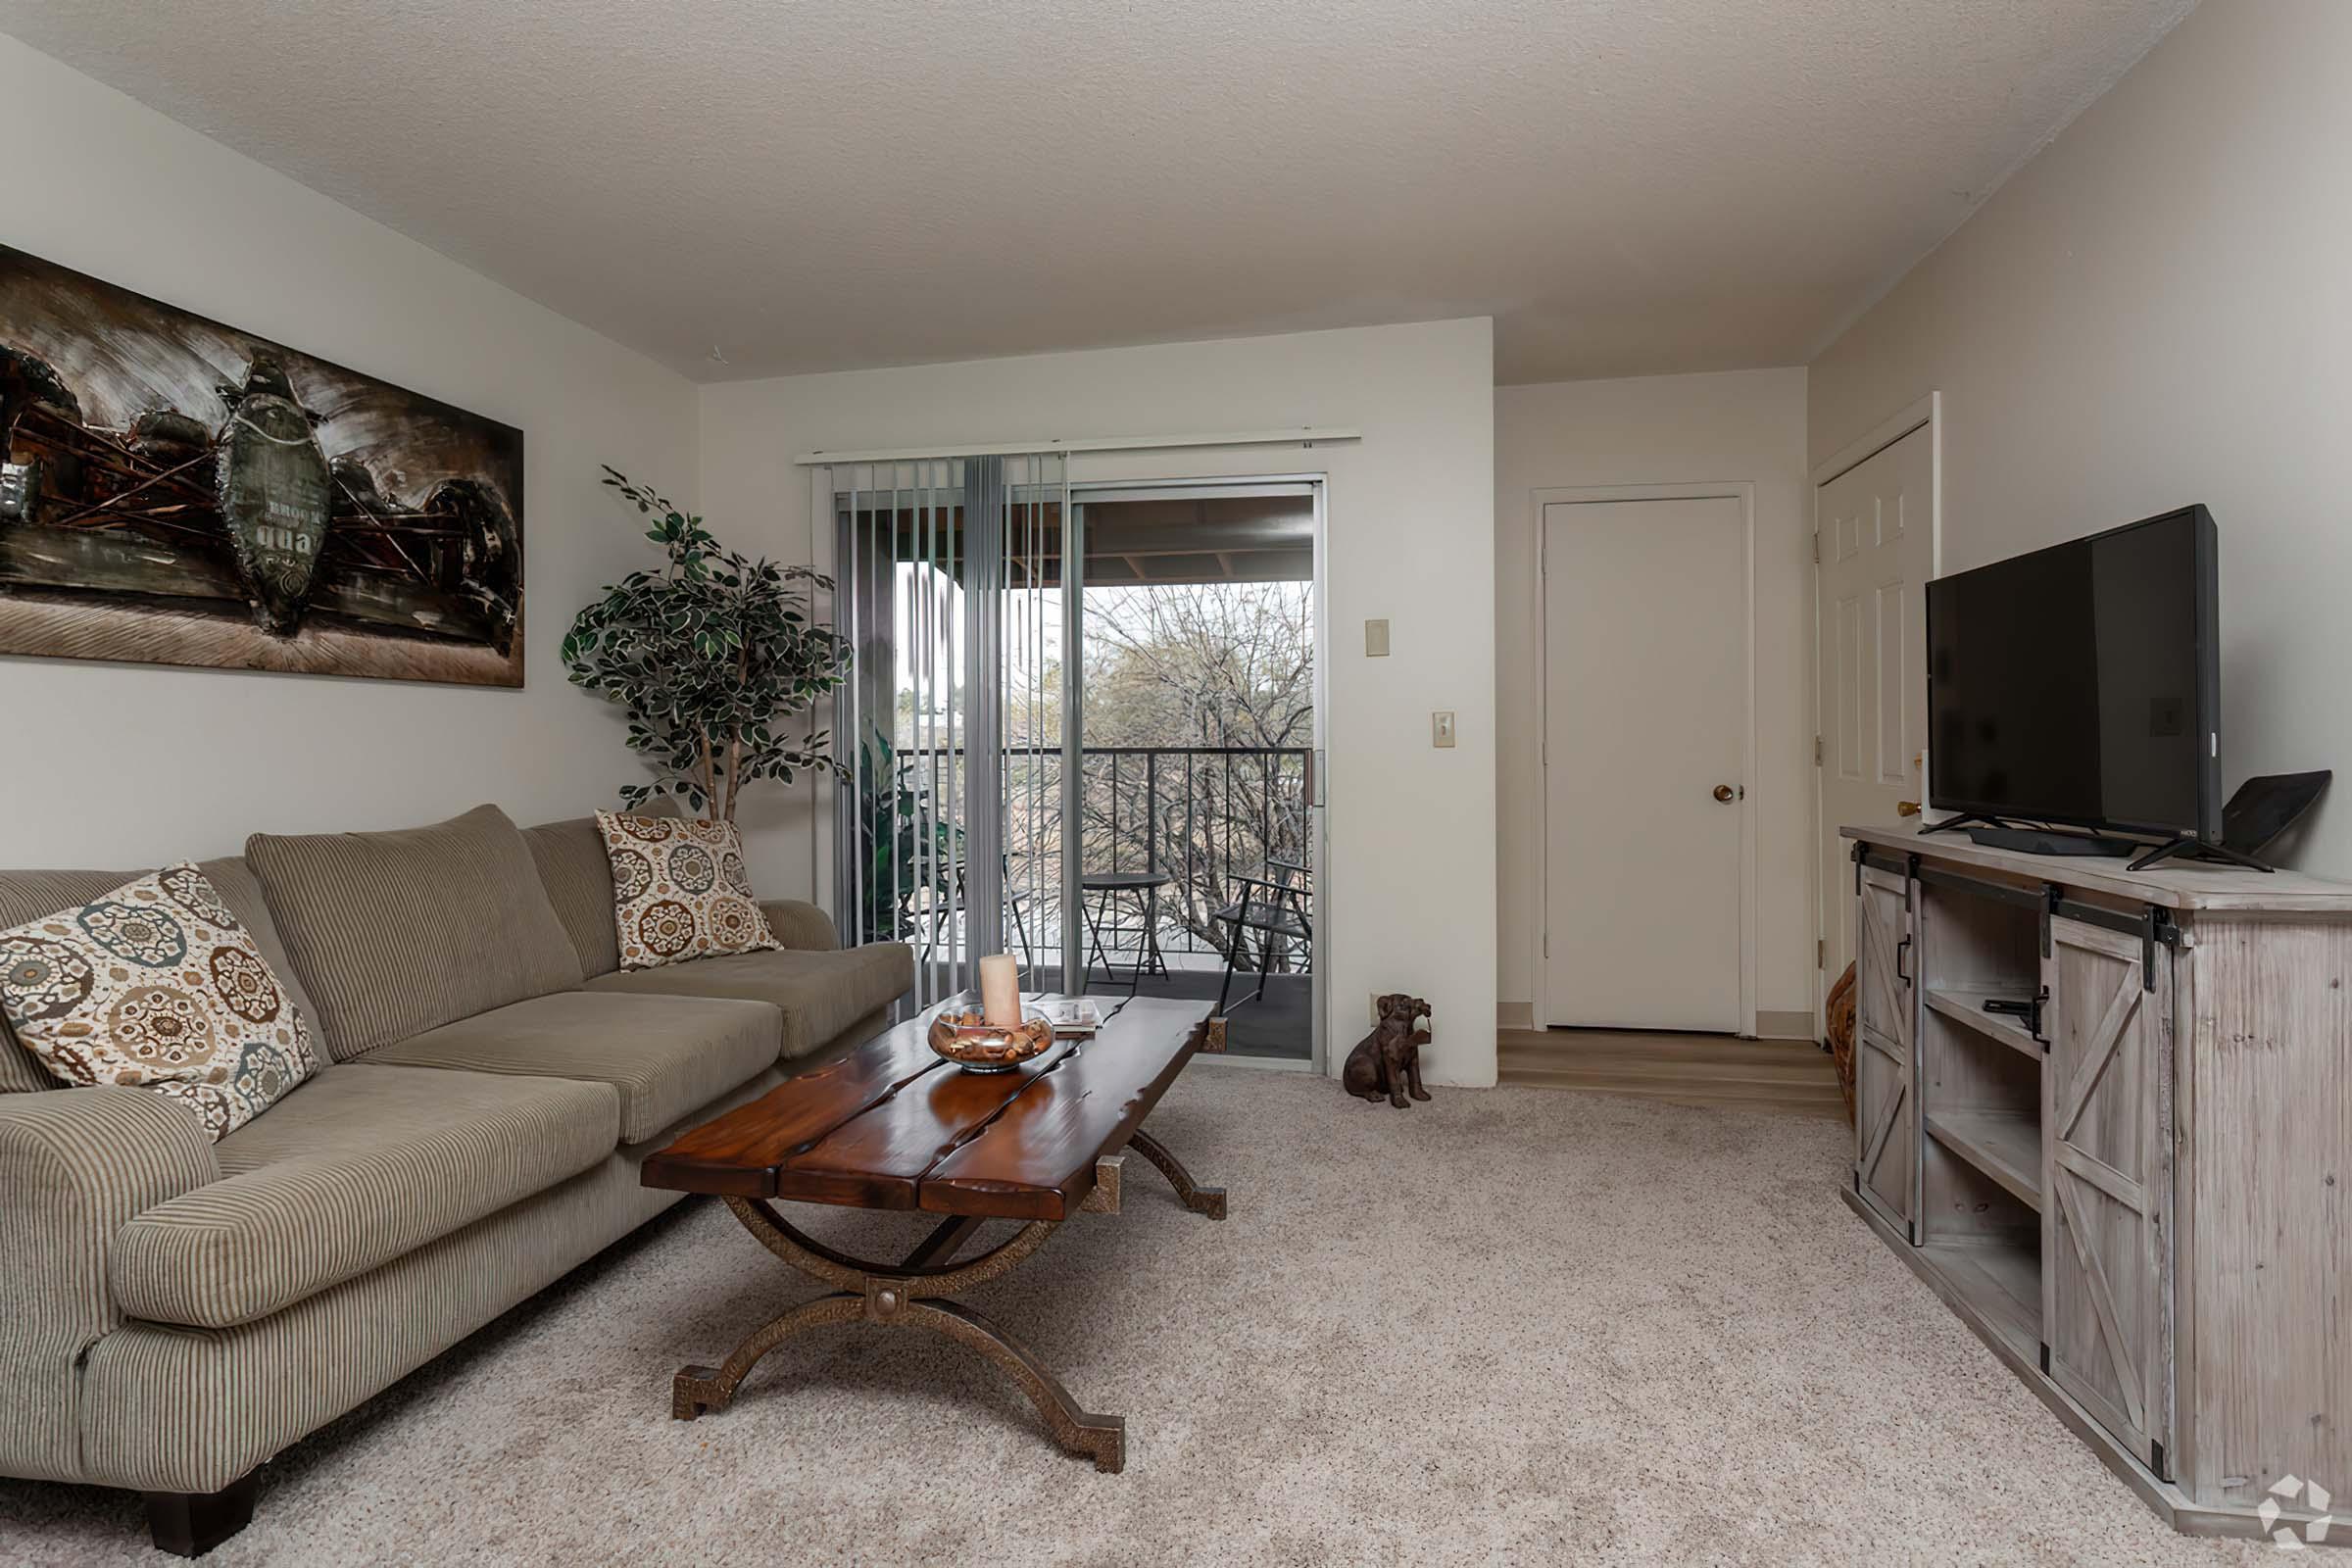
(1200, 717)
(1200, 723)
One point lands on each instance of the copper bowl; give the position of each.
(976, 1045)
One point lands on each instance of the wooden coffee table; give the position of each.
(891, 1126)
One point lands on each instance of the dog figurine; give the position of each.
(1388, 1060)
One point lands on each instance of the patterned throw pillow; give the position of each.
(157, 985)
(679, 891)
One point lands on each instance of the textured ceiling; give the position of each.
(1627, 188)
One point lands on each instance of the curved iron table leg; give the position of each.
(1210, 1201)
(908, 1296)
(703, 1390)
(1100, 1438)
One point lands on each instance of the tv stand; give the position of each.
(2192, 849)
(2115, 1174)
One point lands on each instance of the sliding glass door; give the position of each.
(1085, 728)
(1197, 628)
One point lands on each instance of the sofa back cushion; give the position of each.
(579, 883)
(397, 933)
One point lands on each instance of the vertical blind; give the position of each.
(950, 575)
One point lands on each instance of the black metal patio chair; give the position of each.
(1279, 906)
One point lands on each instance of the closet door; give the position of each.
(1885, 1054)
(2108, 1182)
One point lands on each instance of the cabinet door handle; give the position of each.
(1901, 947)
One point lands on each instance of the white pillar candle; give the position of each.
(1001, 991)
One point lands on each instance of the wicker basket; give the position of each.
(1842, 1036)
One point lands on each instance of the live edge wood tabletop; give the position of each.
(893, 1126)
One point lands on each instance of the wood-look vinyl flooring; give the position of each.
(1793, 1077)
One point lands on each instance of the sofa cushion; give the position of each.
(665, 1055)
(397, 933)
(365, 1165)
(821, 993)
(579, 884)
(155, 985)
(679, 890)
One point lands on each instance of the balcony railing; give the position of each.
(1202, 816)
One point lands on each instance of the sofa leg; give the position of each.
(190, 1524)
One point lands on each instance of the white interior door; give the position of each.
(1645, 739)
(1876, 527)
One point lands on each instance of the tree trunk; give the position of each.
(734, 776)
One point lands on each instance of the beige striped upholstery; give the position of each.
(73, 1166)
(348, 1174)
(173, 1409)
(578, 872)
(664, 1056)
(821, 993)
(397, 933)
(385, 1210)
(800, 925)
(190, 1409)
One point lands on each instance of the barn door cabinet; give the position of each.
(2129, 1176)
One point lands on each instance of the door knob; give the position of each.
(1724, 792)
(1906, 808)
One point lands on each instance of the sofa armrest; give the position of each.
(75, 1164)
(800, 925)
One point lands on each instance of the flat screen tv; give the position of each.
(2082, 684)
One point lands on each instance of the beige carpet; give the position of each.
(1511, 1326)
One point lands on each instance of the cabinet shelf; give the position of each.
(2005, 1144)
(2001, 1280)
(1965, 1004)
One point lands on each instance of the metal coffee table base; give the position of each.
(908, 1295)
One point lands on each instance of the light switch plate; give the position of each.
(1376, 639)
(1441, 727)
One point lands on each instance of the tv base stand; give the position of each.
(2000, 833)
(1952, 824)
(2188, 849)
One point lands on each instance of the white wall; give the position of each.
(1667, 429)
(2157, 309)
(122, 766)
(1408, 902)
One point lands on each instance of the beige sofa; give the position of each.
(175, 1311)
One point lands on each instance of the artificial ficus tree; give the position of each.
(714, 657)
